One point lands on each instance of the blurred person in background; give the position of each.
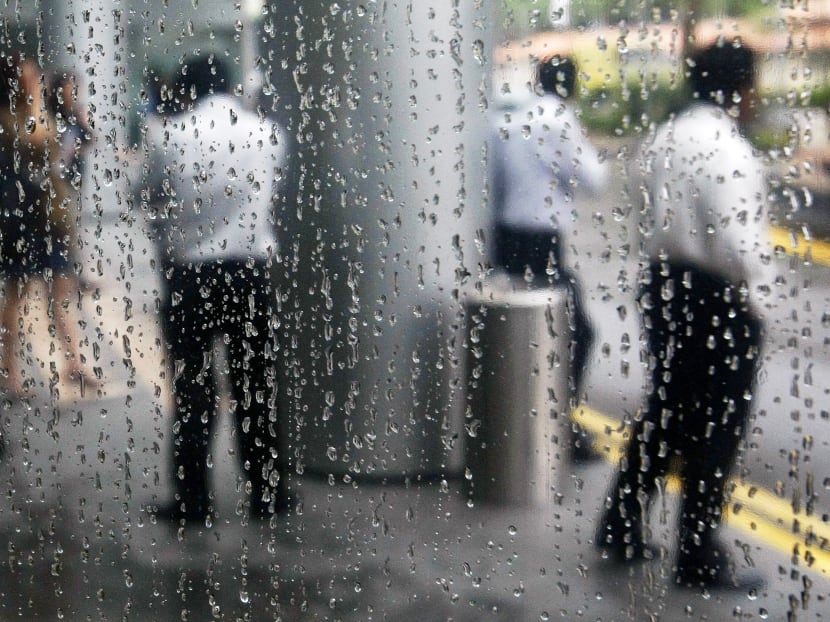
(35, 244)
(212, 167)
(72, 125)
(702, 296)
(541, 162)
(69, 158)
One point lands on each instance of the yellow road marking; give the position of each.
(816, 251)
(765, 515)
(753, 509)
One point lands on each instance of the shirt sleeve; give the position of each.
(581, 163)
(592, 172)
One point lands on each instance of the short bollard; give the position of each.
(517, 417)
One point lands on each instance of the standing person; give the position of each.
(212, 167)
(541, 162)
(34, 245)
(705, 240)
(68, 159)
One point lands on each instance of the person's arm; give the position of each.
(589, 165)
(33, 135)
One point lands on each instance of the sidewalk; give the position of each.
(81, 470)
(81, 546)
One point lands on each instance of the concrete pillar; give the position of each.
(89, 38)
(384, 230)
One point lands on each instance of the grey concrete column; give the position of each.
(384, 228)
(89, 38)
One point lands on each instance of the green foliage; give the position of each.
(524, 16)
(613, 99)
(625, 110)
(820, 96)
(768, 139)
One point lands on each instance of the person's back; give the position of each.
(220, 162)
(544, 149)
(706, 189)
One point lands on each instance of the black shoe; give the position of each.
(621, 542)
(707, 579)
(282, 505)
(183, 513)
(712, 569)
(582, 447)
(625, 553)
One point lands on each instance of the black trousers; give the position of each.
(704, 353)
(231, 301)
(519, 251)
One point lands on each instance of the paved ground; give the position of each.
(80, 545)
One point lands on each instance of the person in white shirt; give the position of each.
(211, 171)
(702, 297)
(541, 163)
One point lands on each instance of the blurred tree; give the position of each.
(524, 16)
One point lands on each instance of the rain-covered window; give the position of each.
(398, 309)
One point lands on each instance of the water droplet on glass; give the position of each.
(478, 51)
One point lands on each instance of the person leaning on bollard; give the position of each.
(541, 161)
(211, 169)
(705, 237)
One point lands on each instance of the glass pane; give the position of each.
(376, 310)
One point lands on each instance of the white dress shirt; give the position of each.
(705, 198)
(540, 158)
(212, 174)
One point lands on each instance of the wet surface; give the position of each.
(81, 545)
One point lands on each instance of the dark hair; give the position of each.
(11, 86)
(198, 77)
(557, 75)
(720, 70)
